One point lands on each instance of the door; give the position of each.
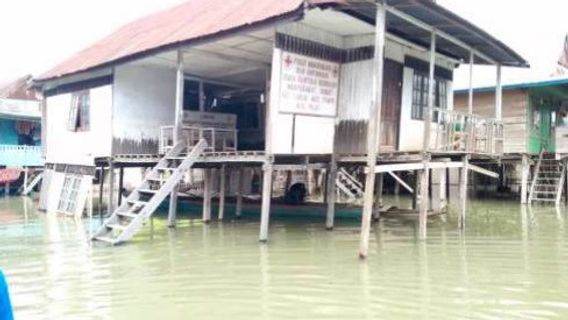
(392, 98)
(541, 126)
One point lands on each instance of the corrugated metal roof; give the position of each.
(190, 20)
(200, 19)
(521, 85)
(18, 90)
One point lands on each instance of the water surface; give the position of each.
(511, 263)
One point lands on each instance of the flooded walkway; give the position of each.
(511, 264)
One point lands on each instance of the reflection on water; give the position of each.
(510, 263)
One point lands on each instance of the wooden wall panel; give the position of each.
(515, 106)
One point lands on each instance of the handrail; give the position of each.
(218, 139)
(464, 132)
(535, 175)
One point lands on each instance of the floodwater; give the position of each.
(510, 263)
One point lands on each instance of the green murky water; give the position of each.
(510, 264)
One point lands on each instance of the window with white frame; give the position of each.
(420, 86)
(69, 194)
(79, 112)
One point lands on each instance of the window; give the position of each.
(69, 193)
(420, 85)
(79, 113)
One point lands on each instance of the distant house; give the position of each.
(533, 115)
(20, 132)
(535, 121)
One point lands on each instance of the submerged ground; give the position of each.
(511, 263)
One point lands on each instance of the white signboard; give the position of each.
(308, 86)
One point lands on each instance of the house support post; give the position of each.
(443, 180)
(425, 178)
(463, 192)
(177, 133)
(120, 185)
(379, 183)
(266, 198)
(26, 177)
(222, 190)
(525, 172)
(240, 185)
(498, 143)
(330, 194)
(110, 186)
(373, 129)
(207, 175)
(101, 190)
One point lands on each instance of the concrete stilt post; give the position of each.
(373, 129)
(207, 175)
(266, 199)
(240, 183)
(331, 195)
(222, 190)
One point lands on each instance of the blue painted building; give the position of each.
(20, 131)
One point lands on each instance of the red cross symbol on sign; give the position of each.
(288, 61)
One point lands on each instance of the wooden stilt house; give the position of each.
(274, 85)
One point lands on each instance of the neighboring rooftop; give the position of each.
(198, 21)
(537, 84)
(18, 89)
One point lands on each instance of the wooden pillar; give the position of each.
(425, 177)
(6, 189)
(416, 195)
(525, 172)
(240, 184)
(463, 192)
(330, 194)
(178, 117)
(120, 185)
(499, 96)
(25, 177)
(379, 183)
(207, 175)
(266, 198)
(396, 188)
(111, 186)
(373, 129)
(101, 190)
(222, 190)
(443, 191)
(470, 89)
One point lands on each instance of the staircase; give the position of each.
(349, 185)
(35, 180)
(129, 217)
(548, 180)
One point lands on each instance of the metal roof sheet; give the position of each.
(202, 19)
(522, 85)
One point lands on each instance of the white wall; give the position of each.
(144, 100)
(80, 148)
(412, 139)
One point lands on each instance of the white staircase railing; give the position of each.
(129, 217)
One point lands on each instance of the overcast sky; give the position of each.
(37, 34)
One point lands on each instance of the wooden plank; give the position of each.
(416, 166)
(483, 171)
(401, 182)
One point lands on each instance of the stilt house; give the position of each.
(279, 85)
(20, 134)
(535, 133)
